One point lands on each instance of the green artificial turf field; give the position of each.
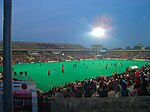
(90, 69)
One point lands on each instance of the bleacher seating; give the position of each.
(43, 45)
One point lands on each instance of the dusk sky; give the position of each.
(126, 22)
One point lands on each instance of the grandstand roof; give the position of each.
(25, 46)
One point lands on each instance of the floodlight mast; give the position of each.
(99, 33)
(98, 47)
(7, 75)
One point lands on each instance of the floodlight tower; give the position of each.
(99, 33)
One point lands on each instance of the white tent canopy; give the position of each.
(134, 67)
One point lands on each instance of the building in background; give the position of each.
(139, 46)
(96, 48)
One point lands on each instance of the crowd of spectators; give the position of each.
(130, 83)
(44, 56)
(107, 86)
(127, 54)
(77, 55)
(49, 46)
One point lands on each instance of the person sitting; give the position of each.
(103, 92)
(59, 94)
(124, 91)
(143, 88)
(111, 92)
(136, 88)
(68, 93)
(78, 93)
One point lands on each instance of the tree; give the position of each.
(147, 48)
(128, 48)
(137, 48)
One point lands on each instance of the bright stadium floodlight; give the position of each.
(98, 32)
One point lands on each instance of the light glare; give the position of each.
(98, 32)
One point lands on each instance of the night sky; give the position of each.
(126, 22)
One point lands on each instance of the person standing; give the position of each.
(62, 68)
(26, 73)
(49, 72)
(124, 92)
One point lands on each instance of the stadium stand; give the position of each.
(130, 83)
(43, 45)
(128, 54)
(107, 86)
(27, 52)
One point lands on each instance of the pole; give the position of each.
(7, 80)
(98, 47)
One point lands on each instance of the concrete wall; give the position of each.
(1, 103)
(127, 104)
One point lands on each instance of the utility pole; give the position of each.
(7, 71)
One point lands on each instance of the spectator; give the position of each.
(143, 90)
(103, 91)
(111, 92)
(79, 93)
(68, 93)
(124, 91)
(59, 94)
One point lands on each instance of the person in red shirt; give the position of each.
(63, 68)
(49, 72)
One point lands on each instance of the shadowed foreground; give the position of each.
(126, 104)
